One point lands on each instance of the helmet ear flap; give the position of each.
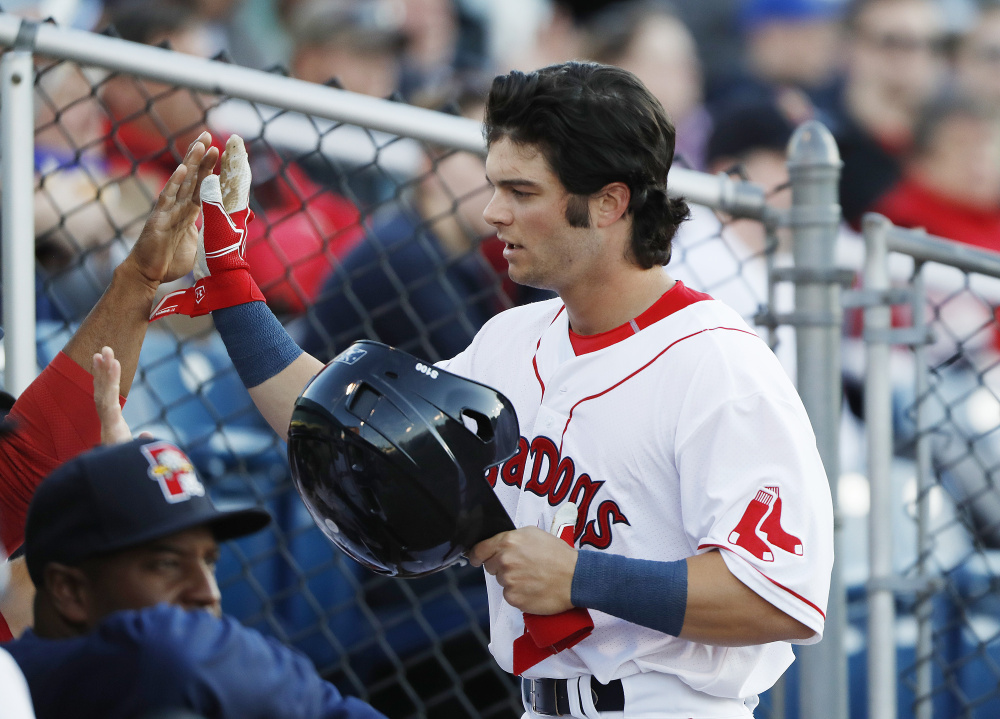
(390, 456)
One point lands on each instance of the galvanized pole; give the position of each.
(814, 170)
(924, 708)
(878, 430)
(17, 180)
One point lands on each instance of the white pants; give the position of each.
(652, 695)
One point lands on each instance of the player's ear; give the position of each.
(610, 203)
(67, 591)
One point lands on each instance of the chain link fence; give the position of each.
(360, 232)
(933, 368)
(357, 235)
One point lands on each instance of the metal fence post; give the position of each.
(814, 170)
(924, 705)
(17, 179)
(878, 429)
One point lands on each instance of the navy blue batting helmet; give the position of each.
(390, 456)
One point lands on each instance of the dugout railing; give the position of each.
(337, 174)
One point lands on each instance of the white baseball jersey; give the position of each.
(676, 434)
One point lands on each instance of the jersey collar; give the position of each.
(676, 298)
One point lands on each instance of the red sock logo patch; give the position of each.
(762, 520)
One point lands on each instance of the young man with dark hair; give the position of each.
(700, 530)
(122, 543)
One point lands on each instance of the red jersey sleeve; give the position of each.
(56, 420)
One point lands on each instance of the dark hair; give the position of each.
(943, 108)
(596, 124)
(143, 20)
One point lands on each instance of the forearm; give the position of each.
(722, 610)
(697, 599)
(272, 367)
(118, 320)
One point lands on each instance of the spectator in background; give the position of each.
(301, 226)
(647, 38)
(728, 259)
(148, 121)
(553, 33)
(951, 180)
(444, 44)
(415, 282)
(792, 50)
(357, 43)
(894, 64)
(977, 60)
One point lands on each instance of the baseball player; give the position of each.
(54, 417)
(701, 539)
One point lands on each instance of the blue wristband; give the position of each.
(651, 594)
(257, 343)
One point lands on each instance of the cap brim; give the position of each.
(239, 523)
(224, 525)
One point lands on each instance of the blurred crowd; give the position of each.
(363, 235)
(909, 89)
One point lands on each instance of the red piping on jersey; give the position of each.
(676, 298)
(628, 377)
(534, 357)
(777, 584)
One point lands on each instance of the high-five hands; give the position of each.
(166, 246)
(224, 274)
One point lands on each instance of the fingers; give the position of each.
(107, 388)
(205, 168)
(484, 551)
(168, 195)
(193, 160)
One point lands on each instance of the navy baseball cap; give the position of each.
(120, 496)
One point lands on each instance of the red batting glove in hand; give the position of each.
(225, 278)
(547, 635)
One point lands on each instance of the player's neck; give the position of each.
(609, 305)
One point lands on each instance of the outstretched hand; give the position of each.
(165, 250)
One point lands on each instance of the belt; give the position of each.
(550, 697)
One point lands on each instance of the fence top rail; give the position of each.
(929, 248)
(743, 199)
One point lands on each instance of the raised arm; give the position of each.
(272, 367)
(55, 414)
(164, 252)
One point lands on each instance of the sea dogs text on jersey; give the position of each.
(559, 483)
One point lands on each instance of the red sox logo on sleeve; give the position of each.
(762, 521)
(169, 466)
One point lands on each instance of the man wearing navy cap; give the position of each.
(121, 543)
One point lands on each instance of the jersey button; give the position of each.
(563, 389)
